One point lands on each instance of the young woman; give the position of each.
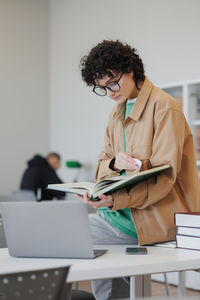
(146, 127)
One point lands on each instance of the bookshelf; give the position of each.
(187, 93)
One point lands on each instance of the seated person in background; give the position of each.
(41, 172)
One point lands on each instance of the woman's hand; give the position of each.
(123, 161)
(105, 200)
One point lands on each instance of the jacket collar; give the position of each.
(140, 103)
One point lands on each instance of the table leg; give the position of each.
(181, 284)
(140, 286)
(132, 287)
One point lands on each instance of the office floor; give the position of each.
(157, 289)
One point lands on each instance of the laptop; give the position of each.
(52, 229)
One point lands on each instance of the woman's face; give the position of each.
(127, 86)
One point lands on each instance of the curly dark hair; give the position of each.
(110, 57)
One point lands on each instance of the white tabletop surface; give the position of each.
(115, 263)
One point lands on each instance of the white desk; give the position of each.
(113, 264)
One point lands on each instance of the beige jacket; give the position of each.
(156, 133)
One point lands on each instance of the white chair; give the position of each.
(24, 195)
(21, 195)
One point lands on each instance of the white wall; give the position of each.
(166, 33)
(24, 113)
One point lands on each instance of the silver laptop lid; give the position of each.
(47, 229)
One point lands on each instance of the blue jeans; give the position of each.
(103, 233)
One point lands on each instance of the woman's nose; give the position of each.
(110, 93)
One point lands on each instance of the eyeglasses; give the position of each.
(112, 86)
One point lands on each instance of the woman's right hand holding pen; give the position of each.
(123, 161)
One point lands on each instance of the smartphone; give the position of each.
(136, 250)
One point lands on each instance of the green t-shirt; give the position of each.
(121, 219)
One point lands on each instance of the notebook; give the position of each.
(56, 229)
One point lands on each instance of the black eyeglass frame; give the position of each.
(107, 87)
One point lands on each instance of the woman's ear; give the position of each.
(131, 74)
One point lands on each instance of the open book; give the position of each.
(106, 186)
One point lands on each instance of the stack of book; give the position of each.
(188, 230)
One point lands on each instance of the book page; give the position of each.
(106, 182)
(120, 182)
(171, 244)
(88, 186)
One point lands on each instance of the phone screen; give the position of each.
(136, 250)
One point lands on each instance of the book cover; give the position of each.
(188, 242)
(108, 185)
(187, 219)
